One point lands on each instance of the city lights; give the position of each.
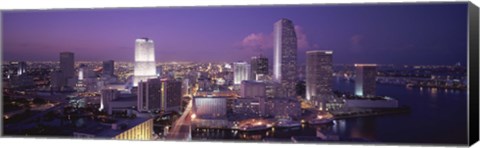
(263, 78)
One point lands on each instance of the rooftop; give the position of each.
(126, 98)
(105, 130)
(320, 51)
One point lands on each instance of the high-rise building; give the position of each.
(365, 80)
(285, 56)
(149, 95)
(56, 80)
(66, 73)
(171, 93)
(159, 94)
(241, 72)
(144, 61)
(67, 64)
(319, 77)
(259, 66)
(251, 89)
(108, 68)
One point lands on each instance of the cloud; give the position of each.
(260, 42)
(302, 41)
(257, 42)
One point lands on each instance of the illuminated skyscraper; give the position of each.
(285, 56)
(241, 71)
(319, 76)
(259, 66)
(108, 68)
(365, 80)
(67, 63)
(144, 60)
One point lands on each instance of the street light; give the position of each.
(193, 116)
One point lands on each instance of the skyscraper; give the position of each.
(144, 60)
(365, 80)
(241, 71)
(285, 56)
(67, 64)
(319, 76)
(159, 94)
(259, 66)
(149, 95)
(108, 68)
(171, 93)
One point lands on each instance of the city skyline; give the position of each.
(280, 86)
(380, 31)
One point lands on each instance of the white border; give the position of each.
(62, 4)
(54, 4)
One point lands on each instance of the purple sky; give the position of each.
(385, 34)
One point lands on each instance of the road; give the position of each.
(181, 128)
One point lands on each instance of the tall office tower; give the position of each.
(149, 95)
(171, 93)
(159, 94)
(259, 66)
(241, 71)
(365, 80)
(108, 67)
(285, 56)
(67, 64)
(319, 76)
(144, 60)
(56, 80)
(251, 89)
(107, 95)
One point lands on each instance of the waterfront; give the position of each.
(436, 116)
